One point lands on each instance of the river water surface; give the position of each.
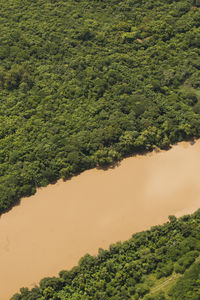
(50, 231)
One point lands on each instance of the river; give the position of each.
(50, 231)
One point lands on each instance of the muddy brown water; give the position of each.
(50, 231)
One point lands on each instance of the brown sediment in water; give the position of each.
(51, 230)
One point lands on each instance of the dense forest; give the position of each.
(158, 264)
(85, 83)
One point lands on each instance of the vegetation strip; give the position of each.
(130, 270)
(85, 83)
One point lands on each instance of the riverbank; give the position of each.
(51, 230)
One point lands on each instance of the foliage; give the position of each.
(123, 271)
(188, 286)
(85, 83)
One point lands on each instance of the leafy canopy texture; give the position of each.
(133, 269)
(85, 83)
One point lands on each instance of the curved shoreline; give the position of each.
(52, 229)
